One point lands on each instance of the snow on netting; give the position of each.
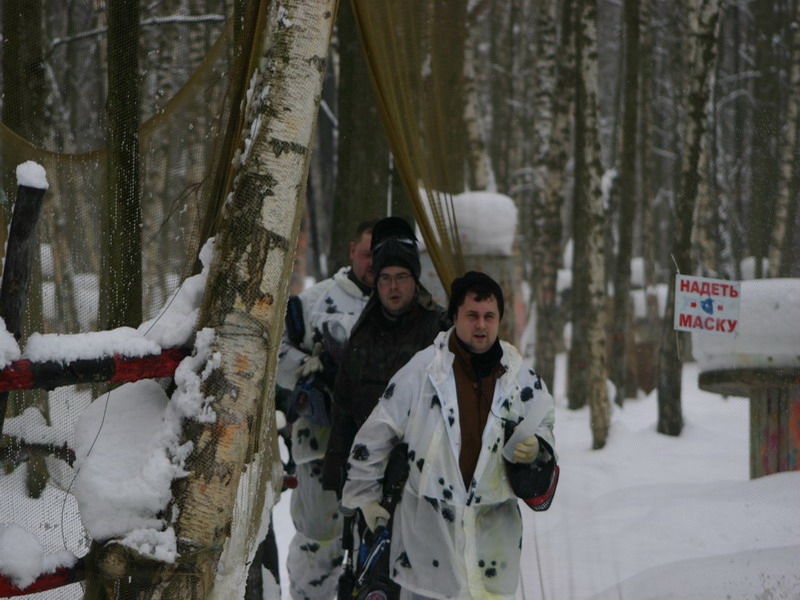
(185, 106)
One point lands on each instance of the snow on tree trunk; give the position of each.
(701, 49)
(222, 502)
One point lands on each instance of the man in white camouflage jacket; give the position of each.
(318, 325)
(457, 530)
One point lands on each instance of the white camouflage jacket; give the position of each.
(336, 300)
(448, 540)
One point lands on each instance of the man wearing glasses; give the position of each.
(400, 319)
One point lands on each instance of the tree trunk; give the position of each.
(555, 68)
(779, 249)
(121, 275)
(588, 348)
(362, 173)
(24, 111)
(701, 50)
(627, 207)
(245, 303)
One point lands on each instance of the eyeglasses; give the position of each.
(399, 279)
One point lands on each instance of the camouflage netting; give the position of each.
(185, 64)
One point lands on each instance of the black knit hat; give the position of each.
(479, 284)
(394, 245)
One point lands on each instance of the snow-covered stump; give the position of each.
(761, 361)
(487, 224)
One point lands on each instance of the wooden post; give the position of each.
(774, 413)
(17, 269)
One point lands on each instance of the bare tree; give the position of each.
(362, 172)
(627, 207)
(121, 277)
(587, 356)
(701, 52)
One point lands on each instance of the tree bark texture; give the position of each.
(121, 281)
(555, 68)
(363, 149)
(235, 460)
(780, 252)
(627, 207)
(589, 300)
(701, 49)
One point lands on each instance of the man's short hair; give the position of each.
(364, 227)
(475, 282)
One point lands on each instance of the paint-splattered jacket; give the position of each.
(448, 540)
(334, 300)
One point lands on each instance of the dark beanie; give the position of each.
(394, 245)
(478, 283)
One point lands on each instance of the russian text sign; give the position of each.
(703, 304)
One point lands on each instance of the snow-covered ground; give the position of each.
(652, 517)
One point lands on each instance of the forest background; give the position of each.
(636, 129)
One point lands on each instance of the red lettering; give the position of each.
(685, 285)
(684, 320)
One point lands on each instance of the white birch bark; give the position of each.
(235, 473)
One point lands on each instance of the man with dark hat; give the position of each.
(479, 428)
(400, 319)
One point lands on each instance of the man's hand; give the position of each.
(374, 515)
(527, 450)
(312, 364)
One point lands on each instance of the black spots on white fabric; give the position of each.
(435, 563)
(360, 452)
(313, 443)
(302, 433)
(331, 306)
(433, 502)
(435, 402)
(527, 393)
(506, 404)
(489, 570)
(411, 455)
(389, 391)
(310, 547)
(420, 464)
(320, 581)
(447, 489)
(448, 514)
(403, 561)
(451, 417)
(496, 445)
(538, 383)
(282, 353)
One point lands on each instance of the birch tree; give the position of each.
(243, 313)
(587, 357)
(552, 128)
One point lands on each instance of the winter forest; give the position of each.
(637, 140)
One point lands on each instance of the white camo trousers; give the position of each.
(315, 552)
